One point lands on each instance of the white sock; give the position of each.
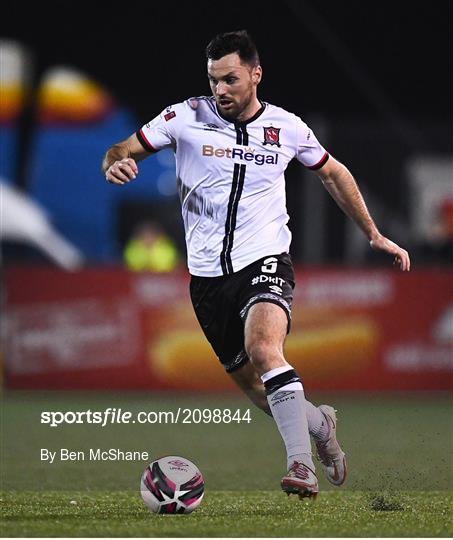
(286, 399)
(317, 423)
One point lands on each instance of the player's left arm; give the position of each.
(342, 186)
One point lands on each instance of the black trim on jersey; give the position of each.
(144, 142)
(245, 140)
(258, 113)
(320, 163)
(238, 134)
(230, 224)
(238, 123)
(242, 137)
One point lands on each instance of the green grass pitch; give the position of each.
(399, 451)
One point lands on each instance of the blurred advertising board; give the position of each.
(112, 329)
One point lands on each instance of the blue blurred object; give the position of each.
(66, 178)
(8, 151)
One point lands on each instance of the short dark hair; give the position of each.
(238, 42)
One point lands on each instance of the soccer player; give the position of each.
(231, 153)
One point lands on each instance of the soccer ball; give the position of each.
(172, 485)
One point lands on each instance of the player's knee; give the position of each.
(263, 354)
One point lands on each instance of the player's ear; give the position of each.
(257, 74)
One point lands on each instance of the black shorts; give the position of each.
(222, 303)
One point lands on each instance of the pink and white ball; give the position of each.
(172, 485)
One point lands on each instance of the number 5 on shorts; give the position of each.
(269, 266)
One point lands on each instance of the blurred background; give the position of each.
(94, 289)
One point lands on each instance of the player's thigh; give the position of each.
(269, 280)
(219, 320)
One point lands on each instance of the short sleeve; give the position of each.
(309, 150)
(160, 132)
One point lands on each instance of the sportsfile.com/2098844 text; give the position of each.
(112, 415)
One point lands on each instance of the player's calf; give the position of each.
(248, 380)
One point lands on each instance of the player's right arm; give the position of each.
(120, 161)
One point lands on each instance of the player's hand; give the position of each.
(121, 172)
(401, 256)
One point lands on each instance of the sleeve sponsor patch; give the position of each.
(169, 115)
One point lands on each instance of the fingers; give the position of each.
(121, 172)
(401, 256)
(402, 260)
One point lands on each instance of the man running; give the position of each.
(231, 153)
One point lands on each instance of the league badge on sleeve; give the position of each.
(271, 136)
(169, 115)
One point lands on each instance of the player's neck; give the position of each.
(249, 112)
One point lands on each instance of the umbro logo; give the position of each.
(282, 394)
(178, 463)
(210, 127)
(276, 289)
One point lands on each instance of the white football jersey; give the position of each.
(231, 181)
